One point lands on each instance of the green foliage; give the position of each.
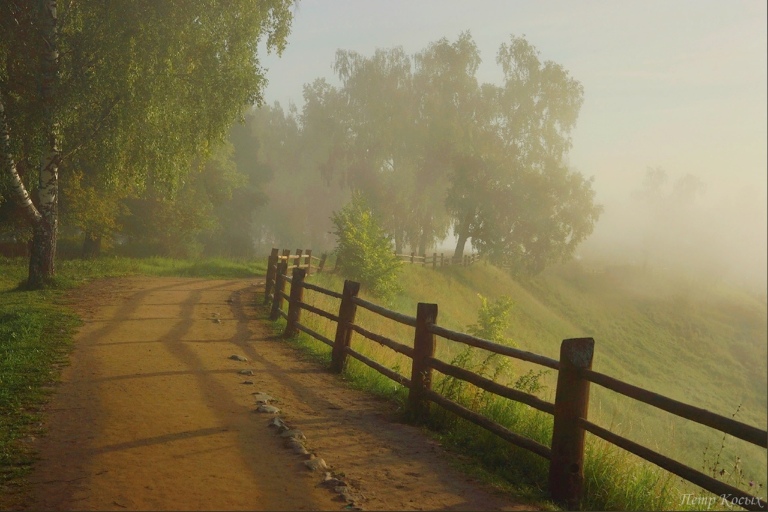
(493, 320)
(142, 90)
(364, 251)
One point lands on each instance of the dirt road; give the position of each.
(153, 414)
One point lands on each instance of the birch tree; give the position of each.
(123, 91)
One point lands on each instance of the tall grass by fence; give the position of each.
(569, 410)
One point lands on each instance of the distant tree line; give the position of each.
(116, 129)
(433, 151)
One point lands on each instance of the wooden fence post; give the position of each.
(434, 260)
(308, 255)
(347, 311)
(323, 257)
(298, 257)
(297, 295)
(277, 299)
(412, 255)
(421, 373)
(270, 280)
(566, 468)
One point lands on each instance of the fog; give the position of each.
(719, 235)
(678, 87)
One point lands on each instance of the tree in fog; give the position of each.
(511, 192)
(430, 148)
(124, 92)
(376, 154)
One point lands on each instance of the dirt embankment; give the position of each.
(153, 414)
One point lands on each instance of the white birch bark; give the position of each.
(9, 168)
(42, 259)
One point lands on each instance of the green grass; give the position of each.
(36, 332)
(701, 343)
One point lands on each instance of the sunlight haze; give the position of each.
(679, 86)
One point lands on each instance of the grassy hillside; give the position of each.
(703, 344)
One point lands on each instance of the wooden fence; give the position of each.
(438, 260)
(566, 451)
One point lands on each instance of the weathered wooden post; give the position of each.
(566, 468)
(421, 373)
(298, 257)
(323, 257)
(277, 298)
(270, 279)
(412, 255)
(308, 255)
(297, 295)
(347, 311)
(434, 260)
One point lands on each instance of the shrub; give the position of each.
(363, 250)
(493, 320)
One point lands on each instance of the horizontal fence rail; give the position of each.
(434, 261)
(386, 313)
(491, 386)
(702, 416)
(705, 481)
(490, 346)
(566, 453)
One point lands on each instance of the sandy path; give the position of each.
(152, 415)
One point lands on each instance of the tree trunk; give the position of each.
(458, 254)
(42, 256)
(422, 245)
(91, 246)
(43, 250)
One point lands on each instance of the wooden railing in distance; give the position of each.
(302, 259)
(434, 261)
(570, 408)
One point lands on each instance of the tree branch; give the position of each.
(96, 127)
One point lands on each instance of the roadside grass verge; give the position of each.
(36, 332)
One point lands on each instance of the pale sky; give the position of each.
(678, 84)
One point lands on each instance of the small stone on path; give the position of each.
(236, 357)
(297, 446)
(245, 372)
(315, 464)
(280, 424)
(263, 398)
(295, 434)
(269, 409)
